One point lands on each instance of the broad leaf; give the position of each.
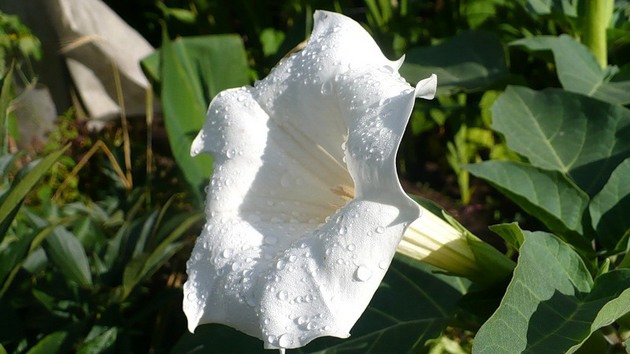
(68, 254)
(470, 61)
(552, 304)
(547, 195)
(558, 130)
(610, 209)
(578, 70)
(191, 72)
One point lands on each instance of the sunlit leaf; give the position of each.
(578, 70)
(557, 130)
(552, 304)
(547, 195)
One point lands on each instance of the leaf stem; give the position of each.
(596, 16)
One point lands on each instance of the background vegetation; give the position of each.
(531, 125)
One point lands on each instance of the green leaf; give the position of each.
(51, 344)
(191, 72)
(99, 340)
(469, 61)
(546, 7)
(68, 254)
(511, 233)
(552, 304)
(557, 130)
(20, 188)
(578, 70)
(547, 195)
(610, 208)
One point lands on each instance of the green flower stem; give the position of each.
(596, 16)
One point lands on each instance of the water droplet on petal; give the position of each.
(283, 295)
(383, 265)
(302, 320)
(227, 253)
(351, 247)
(285, 340)
(343, 230)
(363, 273)
(380, 229)
(280, 264)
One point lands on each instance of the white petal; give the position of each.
(304, 208)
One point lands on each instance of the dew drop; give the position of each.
(240, 98)
(283, 295)
(285, 340)
(292, 258)
(383, 265)
(380, 229)
(271, 338)
(363, 273)
(343, 230)
(302, 320)
(227, 253)
(280, 264)
(351, 247)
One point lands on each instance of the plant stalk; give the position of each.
(596, 17)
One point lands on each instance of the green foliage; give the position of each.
(552, 304)
(522, 105)
(190, 72)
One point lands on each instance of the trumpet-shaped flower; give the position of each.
(304, 208)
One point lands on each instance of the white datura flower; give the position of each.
(304, 208)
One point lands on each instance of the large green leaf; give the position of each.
(552, 304)
(68, 254)
(469, 61)
(578, 70)
(404, 313)
(610, 209)
(558, 130)
(547, 195)
(12, 200)
(191, 72)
